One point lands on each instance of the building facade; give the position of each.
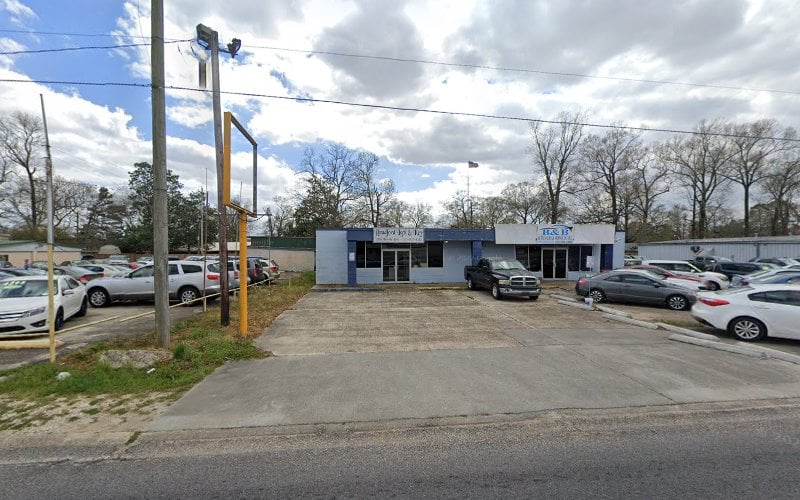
(737, 249)
(412, 255)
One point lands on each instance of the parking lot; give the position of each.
(99, 325)
(421, 353)
(429, 318)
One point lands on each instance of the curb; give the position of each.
(775, 354)
(687, 332)
(623, 319)
(746, 351)
(576, 304)
(613, 311)
(562, 297)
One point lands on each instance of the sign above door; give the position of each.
(398, 235)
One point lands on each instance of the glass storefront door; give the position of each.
(396, 265)
(554, 263)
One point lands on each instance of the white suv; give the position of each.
(713, 281)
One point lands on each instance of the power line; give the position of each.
(417, 61)
(86, 47)
(62, 33)
(406, 109)
(526, 70)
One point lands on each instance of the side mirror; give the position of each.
(68, 292)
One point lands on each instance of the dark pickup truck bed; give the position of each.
(503, 277)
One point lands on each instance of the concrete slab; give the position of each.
(447, 353)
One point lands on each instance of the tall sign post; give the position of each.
(50, 241)
(243, 210)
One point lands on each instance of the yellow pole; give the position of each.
(243, 272)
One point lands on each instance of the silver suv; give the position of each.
(187, 281)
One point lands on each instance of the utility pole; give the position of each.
(50, 242)
(211, 39)
(160, 210)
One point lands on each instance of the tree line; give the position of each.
(675, 189)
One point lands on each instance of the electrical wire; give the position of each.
(407, 109)
(61, 33)
(526, 70)
(87, 47)
(430, 62)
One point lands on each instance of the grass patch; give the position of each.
(199, 345)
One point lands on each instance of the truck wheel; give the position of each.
(470, 283)
(533, 297)
(496, 292)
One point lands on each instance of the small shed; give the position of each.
(16, 251)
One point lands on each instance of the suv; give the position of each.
(255, 271)
(706, 262)
(187, 281)
(731, 269)
(118, 259)
(713, 280)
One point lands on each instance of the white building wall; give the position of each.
(332, 257)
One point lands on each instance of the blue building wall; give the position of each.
(331, 257)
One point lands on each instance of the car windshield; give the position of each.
(25, 288)
(508, 264)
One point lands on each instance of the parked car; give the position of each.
(503, 277)
(271, 269)
(16, 271)
(255, 271)
(778, 279)
(635, 286)
(147, 259)
(79, 273)
(714, 281)
(731, 269)
(233, 274)
(5, 263)
(778, 261)
(4, 275)
(118, 259)
(759, 277)
(185, 284)
(686, 280)
(706, 262)
(629, 261)
(752, 312)
(24, 303)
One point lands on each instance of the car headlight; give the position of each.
(34, 312)
(502, 282)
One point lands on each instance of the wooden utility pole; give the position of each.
(50, 242)
(160, 210)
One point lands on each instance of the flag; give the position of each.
(472, 164)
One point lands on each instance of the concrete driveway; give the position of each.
(416, 355)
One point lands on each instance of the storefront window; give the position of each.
(530, 256)
(368, 255)
(577, 257)
(419, 255)
(522, 255)
(435, 254)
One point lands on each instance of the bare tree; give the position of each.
(554, 153)
(283, 217)
(331, 175)
(701, 165)
(373, 194)
(782, 187)
(420, 215)
(526, 202)
(605, 160)
(753, 144)
(21, 139)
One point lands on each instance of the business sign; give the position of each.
(555, 233)
(398, 235)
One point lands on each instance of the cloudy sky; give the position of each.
(654, 63)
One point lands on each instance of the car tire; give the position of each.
(597, 295)
(58, 324)
(747, 329)
(471, 284)
(533, 297)
(84, 307)
(188, 296)
(712, 286)
(678, 302)
(99, 297)
(496, 292)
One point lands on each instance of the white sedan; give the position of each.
(23, 303)
(752, 312)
